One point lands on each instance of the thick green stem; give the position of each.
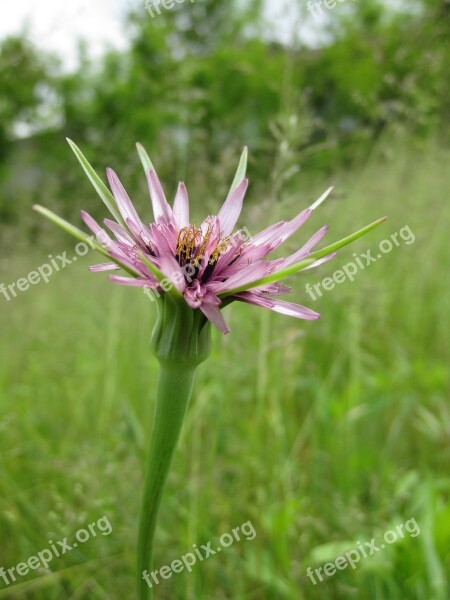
(174, 391)
(181, 341)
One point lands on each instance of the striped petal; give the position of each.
(161, 208)
(231, 209)
(289, 228)
(120, 232)
(321, 261)
(123, 201)
(170, 268)
(133, 282)
(280, 306)
(267, 235)
(306, 249)
(100, 234)
(104, 267)
(213, 313)
(243, 277)
(181, 206)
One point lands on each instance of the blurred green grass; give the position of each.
(319, 433)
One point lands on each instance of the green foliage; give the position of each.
(24, 76)
(203, 80)
(322, 434)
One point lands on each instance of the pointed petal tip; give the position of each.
(243, 185)
(322, 198)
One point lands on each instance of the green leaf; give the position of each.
(241, 170)
(303, 264)
(98, 184)
(348, 240)
(145, 159)
(156, 272)
(80, 235)
(69, 228)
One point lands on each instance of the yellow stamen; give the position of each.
(190, 238)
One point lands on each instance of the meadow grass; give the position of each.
(322, 434)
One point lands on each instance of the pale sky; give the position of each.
(57, 24)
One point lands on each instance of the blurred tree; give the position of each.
(382, 68)
(202, 79)
(25, 81)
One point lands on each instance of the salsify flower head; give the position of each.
(206, 265)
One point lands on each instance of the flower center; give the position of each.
(192, 244)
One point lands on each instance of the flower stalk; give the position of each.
(209, 267)
(181, 341)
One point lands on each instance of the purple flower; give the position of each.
(208, 265)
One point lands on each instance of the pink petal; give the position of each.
(321, 261)
(161, 208)
(231, 209)
(212, 225)
(249, 255)
(100, 234)
(170, 268)
(139, 282)
(124, 203)
(315, 239)
(290, 228)
(161, 239)
(294, 310)
(120, 232)
(104, 267)
(243, 277)
(305, 250)
(267, 235)
(131, 262)
(281, 306)
(274, 289)
(213, 313)
(141, 234)
(181, 206)
(229, 255)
